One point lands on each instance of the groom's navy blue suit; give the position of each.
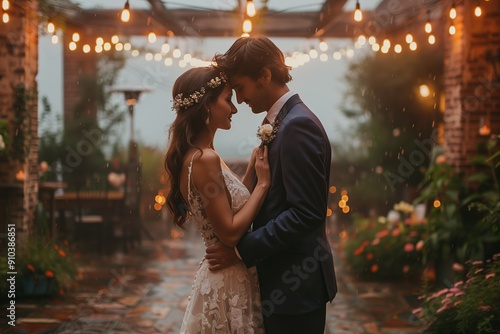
(288, 242)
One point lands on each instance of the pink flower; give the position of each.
(406, 269)
(441, 159)
(382, 233)
(478, 271)
(490, 275)
(485, 308)
(413, 233)
(396, 232)
(420, 245)
(409, 247)
(417, 310)
(457, 267)
(375, 241)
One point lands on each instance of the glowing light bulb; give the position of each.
(251, 11)
(358, 15)
(5, 18)
(55, 39)
(51, 27)
(409, 38)
(453, 12)
(431, 39)
(115, 39)
(86, 48)
(125, 15)
(247, 26)
(428, 27)
(75, 37)
(452, 30)
(176, 53)
(323, 46)
(152, 37)
(5, 4)
(478, 11)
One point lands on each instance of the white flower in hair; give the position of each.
(181, 102)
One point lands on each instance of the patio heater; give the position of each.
(133, 170)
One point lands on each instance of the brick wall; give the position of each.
(19, 66)
(472, 96)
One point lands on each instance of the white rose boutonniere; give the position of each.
(266, 133)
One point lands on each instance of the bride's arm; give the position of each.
(209, 181)
(249, 177)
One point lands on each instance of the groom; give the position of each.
(288, 242)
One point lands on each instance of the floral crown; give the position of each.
(181, 102)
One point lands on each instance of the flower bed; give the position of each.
(471, 305)
(386, 248)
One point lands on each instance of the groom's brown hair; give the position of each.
(248, 56)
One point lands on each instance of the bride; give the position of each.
(222, 206)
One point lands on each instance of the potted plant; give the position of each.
(45, 267)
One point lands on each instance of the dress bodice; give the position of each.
(237, 190)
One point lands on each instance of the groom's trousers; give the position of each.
(307, 323)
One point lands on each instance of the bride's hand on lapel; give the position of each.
(220, 256)
(250, 176)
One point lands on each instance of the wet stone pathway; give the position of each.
(146, 292)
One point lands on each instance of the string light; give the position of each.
(452, 30)
(125, 14)
(115, 39)
(75, 37)
(247, 26)
(477, 10)
(86, 48)
(72, 46)
(428, 27)
(431, 39)
(55, 39)
(107, 46)
(176, 53)
(453, 11)
(409, 38)
(251, 11)
(5, 4)
(165, 47)
(99, 41)
(152, 37)
(323, 46)
(358, 15)
(313, 53)
(5, 18)
(51, 27)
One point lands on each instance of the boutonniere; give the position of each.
(267, 132)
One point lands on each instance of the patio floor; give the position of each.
(146, 291)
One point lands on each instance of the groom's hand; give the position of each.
(220, 256)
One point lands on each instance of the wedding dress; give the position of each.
(228, 300)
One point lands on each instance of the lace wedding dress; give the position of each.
(228, 300)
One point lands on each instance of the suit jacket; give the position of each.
(288, 243)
